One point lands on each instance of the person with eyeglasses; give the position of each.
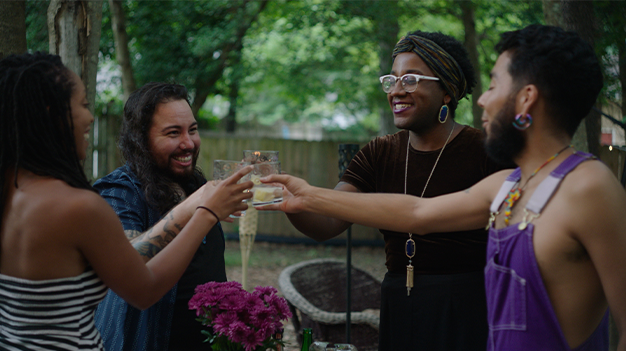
(433, 295)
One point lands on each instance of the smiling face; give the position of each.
(81, 116)
(504, 142)
(173, 137)
(416, 111)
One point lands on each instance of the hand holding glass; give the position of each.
(223, 169)
(265, 193)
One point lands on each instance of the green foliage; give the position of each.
(610, 38)
(305, 60)
(36, 26)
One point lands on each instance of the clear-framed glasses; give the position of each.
(409, 82)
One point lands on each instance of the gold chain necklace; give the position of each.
(409, 246)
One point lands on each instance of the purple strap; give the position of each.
(546, 189)
(548, 186)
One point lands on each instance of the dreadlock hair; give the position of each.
(458, 52)
(160, 189)
(561, 64)
(36, 127)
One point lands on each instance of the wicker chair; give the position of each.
(316, 293)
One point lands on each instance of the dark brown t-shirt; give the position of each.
(380, 167)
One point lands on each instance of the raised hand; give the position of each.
(295, 189)
(227, 197)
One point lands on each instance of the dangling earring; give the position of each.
(443, 114)
(522, 122)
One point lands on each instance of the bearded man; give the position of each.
(555, 255)
(160, 143)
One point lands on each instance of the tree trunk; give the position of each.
(202, 90)
(234, 61)
(387, 30)
(386, 46)
(74, 29)
(579, 16)
(471, 45)
(12, 28)
(118, 24)
(552, 12)
(204, 85)
(231, 118)
(622, 73)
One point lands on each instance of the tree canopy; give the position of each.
(259, 63)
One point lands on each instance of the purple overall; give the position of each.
(519, 311)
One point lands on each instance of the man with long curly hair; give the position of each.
(160, 143)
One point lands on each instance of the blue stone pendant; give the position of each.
(443, 114)
(409, 249)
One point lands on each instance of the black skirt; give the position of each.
(443, 312)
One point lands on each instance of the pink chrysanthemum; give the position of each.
(252, 301)
(233, 302)
(244, 318)
(280, 306)
(239, 332)
(223, 322)
(264, 290)
(260, 314)
(253, 340)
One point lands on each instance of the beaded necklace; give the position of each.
(409, 246)
(516, 192)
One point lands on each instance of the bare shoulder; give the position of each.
(594, 200)
(69, 208)
(500, 175)
(592, 180)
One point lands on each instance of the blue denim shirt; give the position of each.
(122, 326)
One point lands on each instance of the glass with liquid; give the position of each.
(223, 169)
(265, 193)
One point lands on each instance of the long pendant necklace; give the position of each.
(516, 192)
(409, 246)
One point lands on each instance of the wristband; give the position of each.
(208, 209)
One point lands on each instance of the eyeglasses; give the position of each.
(409, 82)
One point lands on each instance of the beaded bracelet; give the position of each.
(208, 209)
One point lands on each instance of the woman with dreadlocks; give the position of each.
(61, 245)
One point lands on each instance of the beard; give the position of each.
(504, 142)
(186, 177)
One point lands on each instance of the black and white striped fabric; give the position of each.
(54, 314)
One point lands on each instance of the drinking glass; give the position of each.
(264, 193)
(223, 169)
(258, 156)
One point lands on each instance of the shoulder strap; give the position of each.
(548, 186)
(508, 184)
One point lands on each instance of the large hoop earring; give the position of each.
(522, 122)
(443, 114)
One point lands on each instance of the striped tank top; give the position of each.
(55, 314)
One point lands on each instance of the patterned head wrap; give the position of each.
(438, 60)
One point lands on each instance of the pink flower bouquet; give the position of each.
(238, 319)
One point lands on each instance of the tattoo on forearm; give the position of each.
(468, 190)
(147, 249)
(132, 234)
(150, 243)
